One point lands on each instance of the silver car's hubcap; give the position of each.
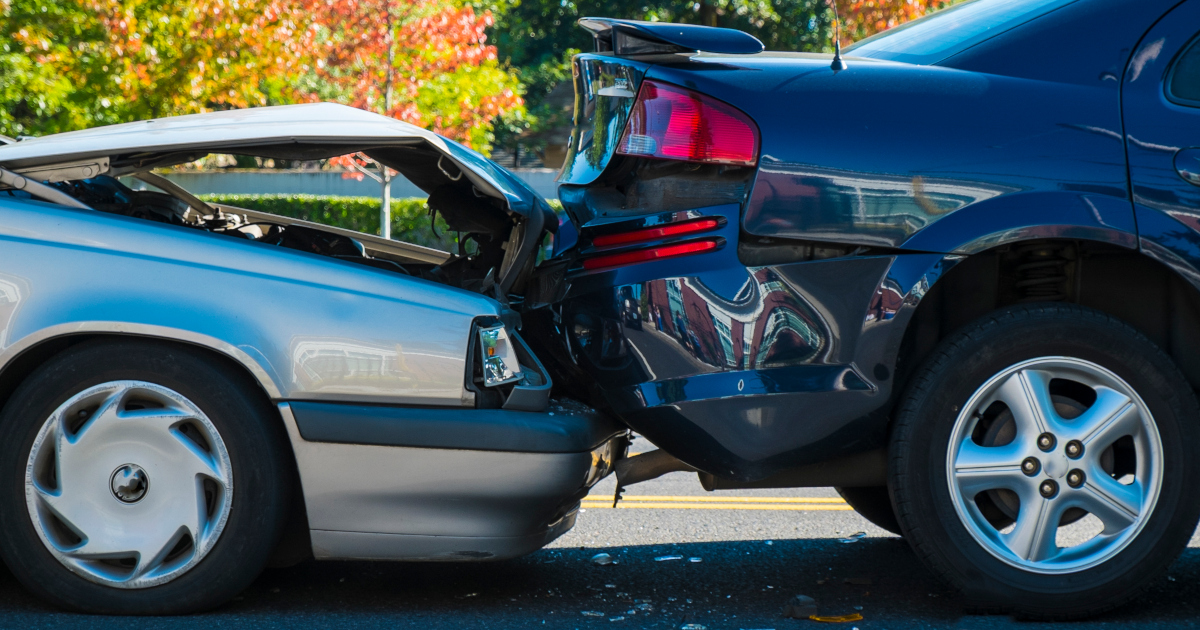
(128, 484)
(1054, 465)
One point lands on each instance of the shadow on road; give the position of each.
(736, 585)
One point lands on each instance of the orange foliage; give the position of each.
(863, 18)
(425, 62)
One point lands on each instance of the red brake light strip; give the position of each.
(646, 255)
(655, 233)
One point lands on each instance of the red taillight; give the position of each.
(655, 233)
(646, 255)
(674, 123)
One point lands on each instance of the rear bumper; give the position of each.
(390, 483)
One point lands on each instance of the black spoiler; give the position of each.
(634, 37)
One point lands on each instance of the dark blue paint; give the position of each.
(1159, 132)
(743, 370)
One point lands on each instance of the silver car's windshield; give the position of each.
(940, 35)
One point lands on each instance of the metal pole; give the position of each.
(385, 209)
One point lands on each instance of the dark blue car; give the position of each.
(952, 272)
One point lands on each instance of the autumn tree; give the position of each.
(70, 64)
(425, 62)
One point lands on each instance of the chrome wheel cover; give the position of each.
(1121, 506)
(128, 484)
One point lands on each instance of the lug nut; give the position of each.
(1075, 478)
(1046, 442)
(1074, 449)
(1048, 488)
(1031, 466)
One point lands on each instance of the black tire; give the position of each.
(254, 439)
(918, 471)
(873, 504)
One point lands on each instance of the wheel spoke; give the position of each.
(1116, 505)
(1111, 417)
(1033, 538)
(978, 468)
(145, 541)
(108, 409)
(1027, 394)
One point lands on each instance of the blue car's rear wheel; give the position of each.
(1040, 461)
(139, 478)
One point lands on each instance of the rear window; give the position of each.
(1184, 84)
(950, 31)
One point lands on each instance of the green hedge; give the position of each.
(410, 216)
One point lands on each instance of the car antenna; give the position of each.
(838, 65)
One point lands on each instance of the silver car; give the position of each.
(191, 391)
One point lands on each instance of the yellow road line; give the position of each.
(597, 505)
(718, 499)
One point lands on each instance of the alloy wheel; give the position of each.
(1054, 465)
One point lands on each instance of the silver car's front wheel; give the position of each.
(128, 484)
(140, 477)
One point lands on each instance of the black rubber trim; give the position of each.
(556, 430)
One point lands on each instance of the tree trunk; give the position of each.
(708, 13)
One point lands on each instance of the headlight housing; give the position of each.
(498, 357)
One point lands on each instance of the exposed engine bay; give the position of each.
(488, 234)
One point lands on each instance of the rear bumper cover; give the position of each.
(390, 483)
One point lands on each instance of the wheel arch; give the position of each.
(23, 356)
(23, 359)
(1125, 283)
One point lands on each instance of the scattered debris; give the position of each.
(602, 559)
(858, 581)
(800, 607)
(645, 607)
(666, 558)
(853, 538)
(591, 613)
(670, 599)
(837, 618)
(695, 559)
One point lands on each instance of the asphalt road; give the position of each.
(751, 562)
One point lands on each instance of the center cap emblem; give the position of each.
(129, 483)
(1056, 465)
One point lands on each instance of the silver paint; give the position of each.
(307, 327)
(435, 498)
